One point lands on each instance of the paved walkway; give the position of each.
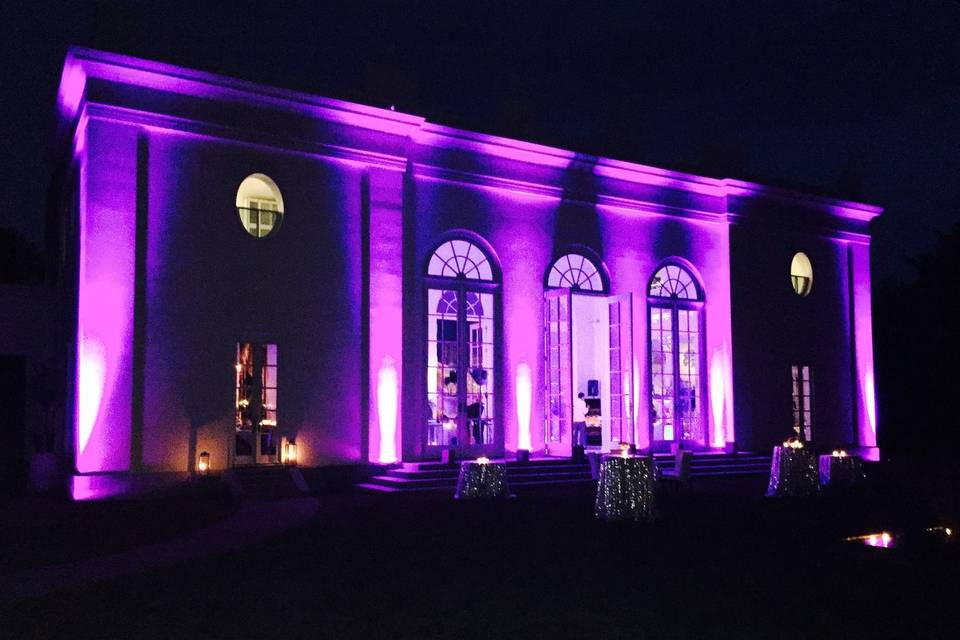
(252, 522)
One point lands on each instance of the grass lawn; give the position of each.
(722, 562)
(41, 530)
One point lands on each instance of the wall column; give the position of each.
(862, 322)
(105, 299)
(385, 295)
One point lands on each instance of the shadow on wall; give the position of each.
(208, 427)
(672, 238)
(577, 222)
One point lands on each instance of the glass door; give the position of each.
(255, 403)
(461, 411)
(558, 373)
(802, 401)
(621, 371)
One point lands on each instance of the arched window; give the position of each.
(577, 272)
(673, 281)
(677, 381)
(259, 205)
(460, 259)
(462, 345)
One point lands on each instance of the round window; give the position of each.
(801, 274)
(259, 205)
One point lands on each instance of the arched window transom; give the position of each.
(575, 271)
(673, 281)
(460, 259)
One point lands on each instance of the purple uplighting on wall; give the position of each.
(524, 395)
(388, 402)
(719, 382)
(367, 193)
(863, 345)
(105, 300)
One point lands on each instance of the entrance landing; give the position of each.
(545, 471)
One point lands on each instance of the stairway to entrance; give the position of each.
(545, 472)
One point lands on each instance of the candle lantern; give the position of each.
(793, 443)
(203, 463)
(290, 453)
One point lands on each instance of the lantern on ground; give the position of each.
(290, 453)
(203, 463)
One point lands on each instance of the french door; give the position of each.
(621, 369)
(256, 439)
(558, 373)
(676, 375)
(616, 409)
(461, 354)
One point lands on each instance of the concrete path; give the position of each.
(251, 522)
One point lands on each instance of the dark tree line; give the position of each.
(917, 353)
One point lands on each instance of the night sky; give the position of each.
(847, 98)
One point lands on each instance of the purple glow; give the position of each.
(870, 401)
(524, 394)
(635, 400)
(105, 298)
(863, 345)
(73, 81)
(91, 379)
(164, 77)
(96, 487)
(882, 540)
(388, 393)
(386, 314)
(510, 191)
(717, 399)
(524, 248)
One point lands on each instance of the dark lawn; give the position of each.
(41, 530)
(722, 562)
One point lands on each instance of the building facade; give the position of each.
(255, 266)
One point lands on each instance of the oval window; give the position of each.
(801, 274)
(259, 205)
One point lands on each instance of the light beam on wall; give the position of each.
(524, 399)
(634, 418)
(870, 400)
(388, 393)
(717, 398)
(91, 378)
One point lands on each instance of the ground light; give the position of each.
(882, 539)
(945, 532)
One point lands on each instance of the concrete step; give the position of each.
(436, 476)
